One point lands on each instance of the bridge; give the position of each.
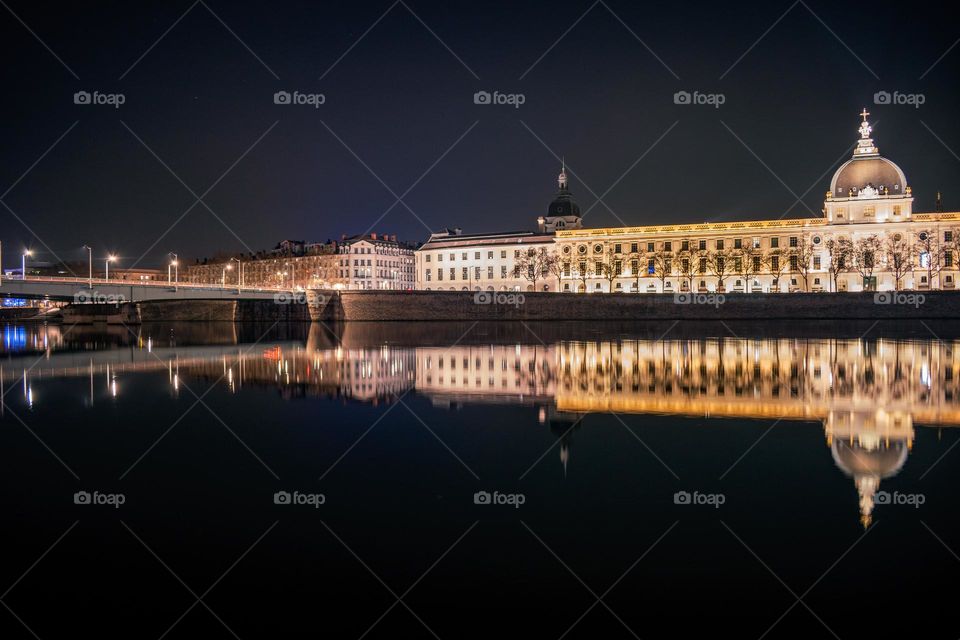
(99, 290)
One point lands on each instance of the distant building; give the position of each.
(370, 261)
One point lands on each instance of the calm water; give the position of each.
(497, 479)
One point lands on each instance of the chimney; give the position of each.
(373, 236)
(393, 238)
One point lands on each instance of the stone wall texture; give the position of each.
(419, 306)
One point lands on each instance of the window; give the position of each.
(476, 273)
(684, 245)
(668, 246)
(793, 242)
(516, 253)
(650, 247)
(793, 263)
(703, 245)
(427, 273)
(651, 268)
(439, 257)
(756, 242)
(634, 247)
(720, 244)
(489, 255)
(634, 266)
(566, 269)
(896, 209)
(948, 259)
(775, 263)
(463, 255)
(503, 254)
(948, 236)
(489, 273)
(816, 262)
(737, 243)
(616, 248)
(868, 212)
(618, 267)
(685, 265)
(774, 243)
(428, 257)
(503, 271)
(703, 265)
(582, 267)
(439, 274)
(453, 273)
(738, 264)
(598, 268)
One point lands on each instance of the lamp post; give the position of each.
(175, 263)
(223, 278)
(110, 258)
(89, 266)
(23, 263)
(239, 273)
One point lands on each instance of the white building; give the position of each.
(374, 261)
(451, 260)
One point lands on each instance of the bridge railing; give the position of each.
(147, 283)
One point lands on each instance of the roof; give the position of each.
(473, 239)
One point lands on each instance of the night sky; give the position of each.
(399, 118)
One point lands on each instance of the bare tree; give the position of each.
(932, 252)
(533, 265)
(686, 267)
(898, 252)
(557, 268)
(747, 263)
(720, 264)
(611, 266)
(865, 253)
(662, 267)
(776, 263)
(840, 252)
(804, 254)
(583, 273)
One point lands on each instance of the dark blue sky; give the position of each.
(400, 99)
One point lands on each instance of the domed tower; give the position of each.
(564, 212)
(868, 187)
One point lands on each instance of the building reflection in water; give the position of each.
(868, 395)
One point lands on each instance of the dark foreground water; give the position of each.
(470, 480)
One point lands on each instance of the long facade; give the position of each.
(868, 239)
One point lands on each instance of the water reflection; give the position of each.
(869, 395)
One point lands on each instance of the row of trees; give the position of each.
(928, 252)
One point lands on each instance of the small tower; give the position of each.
(564, 212)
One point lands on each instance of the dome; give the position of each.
(867, 173)
(563, 203)
(875, 171)
(855, 460)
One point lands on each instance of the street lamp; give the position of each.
(23, 263)
(110, 258)
(226, 268)
(176, 270)
(89, 266)
(239, 272)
